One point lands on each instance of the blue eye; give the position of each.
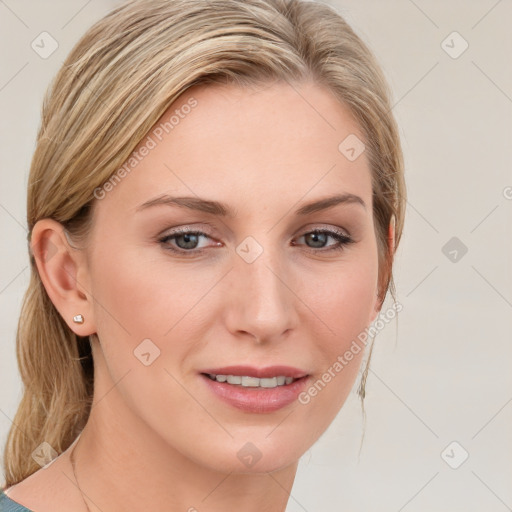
(320, 236)
(189, 239)
(185, 242)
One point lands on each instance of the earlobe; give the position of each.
(63, 273)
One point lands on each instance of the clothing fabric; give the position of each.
(8, 505)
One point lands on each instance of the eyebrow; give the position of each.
(218, 208)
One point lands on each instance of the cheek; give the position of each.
(345, 304)
(142, 297)
(137, 300)
(126, 298)
(345, 299)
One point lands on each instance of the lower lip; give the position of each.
(256, 399)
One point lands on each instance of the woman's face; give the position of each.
(257, 287)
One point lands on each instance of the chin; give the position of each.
(257, 456)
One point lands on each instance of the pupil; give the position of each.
(188, 243)
(316, 236)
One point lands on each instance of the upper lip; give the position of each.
(261, 373)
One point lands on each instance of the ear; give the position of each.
(391, 235)
(64, 273)
(391, 251)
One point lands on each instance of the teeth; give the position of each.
(253, 382)
(268, 383)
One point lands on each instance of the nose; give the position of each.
(262, 303)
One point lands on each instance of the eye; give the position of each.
(187, 242)
(319, 237)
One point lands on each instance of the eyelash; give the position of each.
(342, 239)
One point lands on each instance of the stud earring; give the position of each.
(79, 319)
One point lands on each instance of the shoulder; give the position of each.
(9, 505)
(49, 489)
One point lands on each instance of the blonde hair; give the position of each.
(116, 83)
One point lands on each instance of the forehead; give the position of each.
(275, 142)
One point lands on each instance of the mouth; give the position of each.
(247, 381)
(256, 390)
(253, 377)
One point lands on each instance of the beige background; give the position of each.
(444, 374)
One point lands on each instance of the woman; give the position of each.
(214, 204)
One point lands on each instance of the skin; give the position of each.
(171, 444)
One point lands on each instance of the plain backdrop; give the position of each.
(438, 406)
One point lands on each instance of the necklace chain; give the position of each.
(72, 459)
